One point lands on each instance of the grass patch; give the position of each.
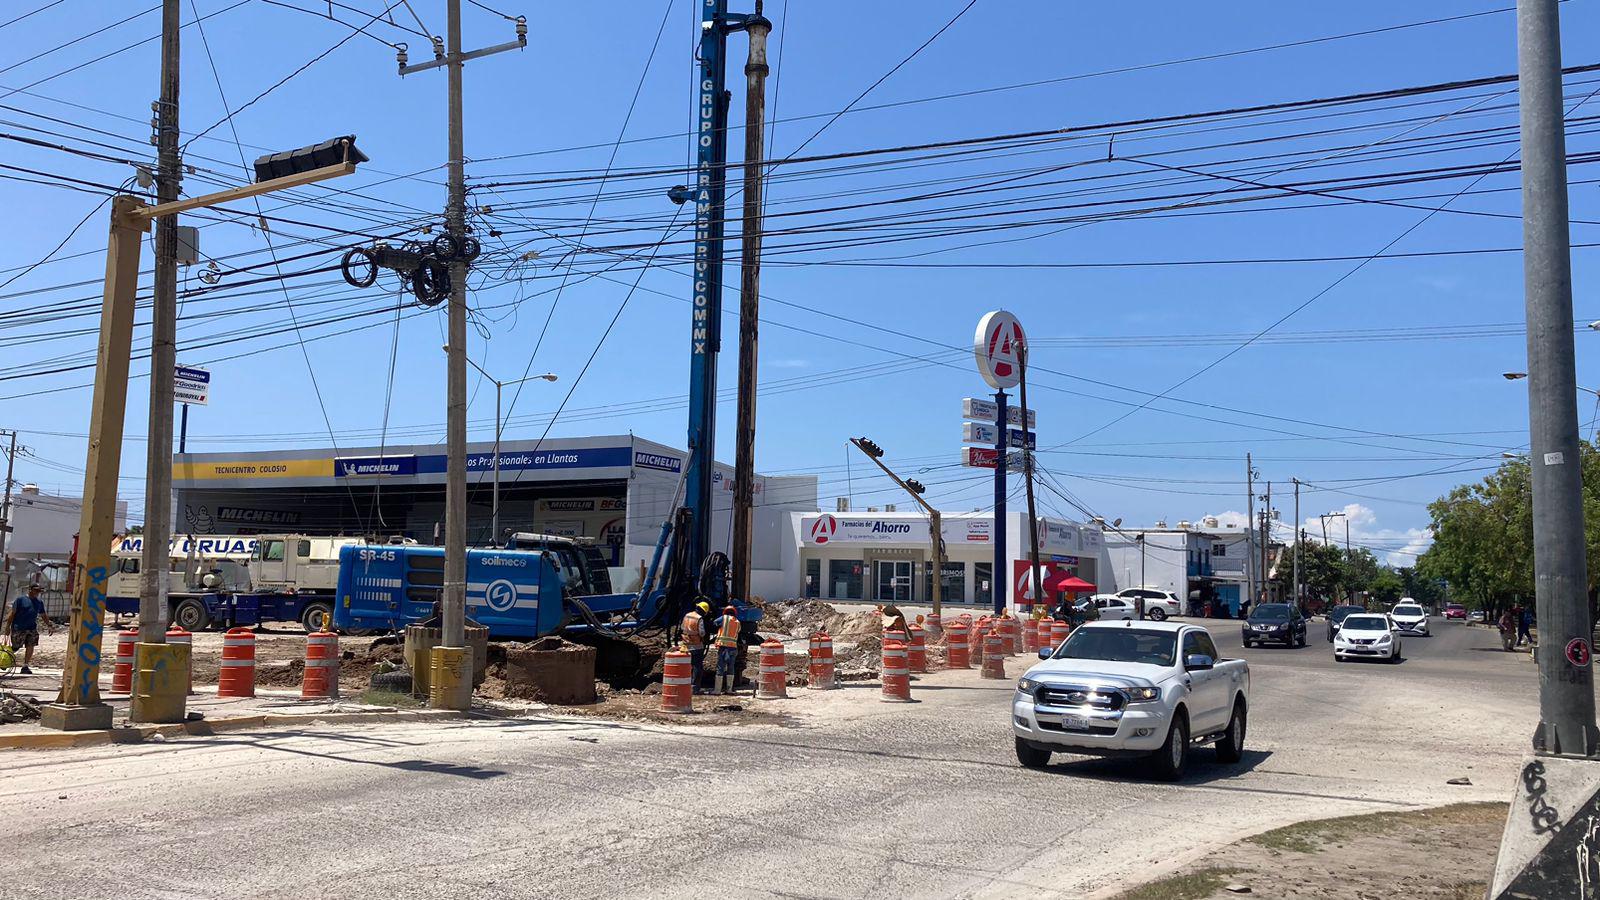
(1308, 837)
(1188, 886)
(375, 697)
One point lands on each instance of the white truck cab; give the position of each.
(1132, 687)
(297, 563)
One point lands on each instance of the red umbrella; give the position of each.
(1066, 581)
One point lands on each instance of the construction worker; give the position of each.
(728, 627)
(693, 631)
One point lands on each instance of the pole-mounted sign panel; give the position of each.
(995, 346)
(988, 411)
(191, 385)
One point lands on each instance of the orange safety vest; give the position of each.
(694, 635)
(728, 632)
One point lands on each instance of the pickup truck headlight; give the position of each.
(1143, 694)
(1027, 685)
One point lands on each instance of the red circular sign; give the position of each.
(823, 528)
(1578, 653)
(997, 347)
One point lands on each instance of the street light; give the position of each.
(498, 387)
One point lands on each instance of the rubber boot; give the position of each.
(716, 686)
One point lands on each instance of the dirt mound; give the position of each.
(864, 624)
(800, 617)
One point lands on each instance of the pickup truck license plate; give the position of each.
(1075, 723)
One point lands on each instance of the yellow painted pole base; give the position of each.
(160, 683)
(450, 678)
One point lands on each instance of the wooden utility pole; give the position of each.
(935, 523)
(156, 562)
(744, 470)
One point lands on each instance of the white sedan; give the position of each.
(1113, 607)
(1366, 636)
(1411, 617)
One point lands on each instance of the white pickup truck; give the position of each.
(1153, 689)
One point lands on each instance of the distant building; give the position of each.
(1205, 563)
(43, 525)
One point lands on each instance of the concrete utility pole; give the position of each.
(1566, 692)
(1250, 528)
(155, 561)
(1297, 533)
(1027, 472)
(5, 525)
(451, 689)
(1266, 543)
(744, 472)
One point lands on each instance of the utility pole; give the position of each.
(1566, 692)
(5, 522)
(1266, 543)
(451, 662)
(1297, 533)
(935, 524)
(1027, 472)
(1250, 527)
(755, 105)
(155, 562)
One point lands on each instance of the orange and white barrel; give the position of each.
(677, 688)
(896, 675)
(994, 659)
(958, 652)
(122, 671)
(238, 675)
(917, 651)
(1059, 632)
(321, 680)
(176, 635)
(1030, 635)
(821, 653)
(934, 626)
(1008, 635)
(772, 684)
(978, 643)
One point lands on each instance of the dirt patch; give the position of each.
(645, 706)
(1432, 854)
(800, 617)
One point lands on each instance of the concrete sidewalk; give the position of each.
(208, 714)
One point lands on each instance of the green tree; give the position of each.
(1387, 586)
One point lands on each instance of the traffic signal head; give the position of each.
(331, 152)
(869, 448)
(916, 486)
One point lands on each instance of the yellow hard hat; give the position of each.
(703, 606)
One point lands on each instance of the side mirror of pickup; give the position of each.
(1198, 662)
(1046, 652)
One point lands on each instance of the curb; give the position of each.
(134, 734)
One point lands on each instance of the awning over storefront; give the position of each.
(1065, 581)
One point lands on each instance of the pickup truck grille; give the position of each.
(1071, 696)
(1107, 729)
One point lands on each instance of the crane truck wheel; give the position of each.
(191, 615)
(317, 617)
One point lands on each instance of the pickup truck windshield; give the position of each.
(1132, 645)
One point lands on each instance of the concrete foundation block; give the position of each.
(1551, 846)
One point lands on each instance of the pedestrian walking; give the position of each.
(22, 631)
(1524, 625)
(693, 631)
(728, 628)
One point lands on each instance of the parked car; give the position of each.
(1478, 616)
(1277, 623)
(1455, 611)
(1156, 688)
(1410, 617)
(1337, 615)
(1158, 605)
(1114, 607)
(1367, 636)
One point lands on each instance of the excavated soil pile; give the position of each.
(860, 660)
(549, 670)
(867, 623)
(799, 617)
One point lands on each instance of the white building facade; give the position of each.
(888, 556)
(1210, 565)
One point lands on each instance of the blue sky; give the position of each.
(847, 350)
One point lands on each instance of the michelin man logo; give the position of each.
(501, 595)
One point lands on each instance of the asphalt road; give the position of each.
(856, 798)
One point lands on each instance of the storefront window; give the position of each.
(813, 583)
(955, 582)
(844, 579)
(983, 583)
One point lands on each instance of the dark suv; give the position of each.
(1336, 617)
(1276, 623)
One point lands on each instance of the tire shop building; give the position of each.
(616, 490)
